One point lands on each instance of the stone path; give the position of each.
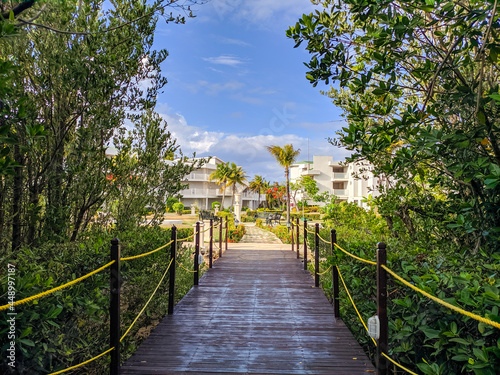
(255, 234)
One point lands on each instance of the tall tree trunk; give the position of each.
(287, 175)
(16, 200)
(223, 197)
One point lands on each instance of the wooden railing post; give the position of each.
(298, 237)
(211, 244)
(382, 309)
(220, 237)
(196, 253)
(316, 255)
(114, 307)
(171, 283)
(305, 245)
(293, 240)
(335, 276)
(227, 228)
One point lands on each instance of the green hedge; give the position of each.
(72, 325)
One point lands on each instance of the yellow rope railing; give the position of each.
(83, 363)
(46, 293)
(184, 268)
(322, 273)
(149, 300)
(145, 254)
(354, 256)
(366, 328)
(441, 302)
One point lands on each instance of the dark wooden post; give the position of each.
(227, 228)
(382, 309)
(220, 237)
(293, 241)
(298, 238)
(196, 253)
(171, 284)
(316, 255)
(114, 307)
(335, 277)
(305, 245)
(211, 244)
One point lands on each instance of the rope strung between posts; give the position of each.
(83, 363)
(145, 254)
(325, 241)
(46, 293)
(397, 364)
(354, 256)
(188, 237)
(329, 268)
(364, 325)
(184, 268)
(353, 304)
(441, 302)
(149, 300)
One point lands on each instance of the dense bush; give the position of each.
(236, 234)
(178, 207)
(424, 335)
(72, 325)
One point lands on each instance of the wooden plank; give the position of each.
(254, 312)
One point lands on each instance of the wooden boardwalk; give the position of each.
(254, 312)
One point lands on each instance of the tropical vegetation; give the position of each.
(418, 84)
(285, 156)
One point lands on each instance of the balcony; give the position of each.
(199, 193)
(339, 176)
(339, 192)
(197, 177)
(311, 172)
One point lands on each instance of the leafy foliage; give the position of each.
(418, 82)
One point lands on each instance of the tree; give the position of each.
(220, 176)
(257, 185)
(285, 156)
(419, 88)
(72, 80)
(236, 176)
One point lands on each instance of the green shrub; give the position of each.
(247, 219)
(72, 325)
(215, 204)
(178, 207)
(236, 234)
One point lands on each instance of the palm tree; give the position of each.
(285, 156)
(257, 185)
(236, 176)
(220, 176)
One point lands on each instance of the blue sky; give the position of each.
(236, 84)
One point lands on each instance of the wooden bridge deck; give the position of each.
(254, 312)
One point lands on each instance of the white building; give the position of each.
(346, 181)
(203, 193)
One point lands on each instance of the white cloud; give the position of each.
(228, 60)
(236, 42)
(215, 88)
(248, 151)
(257, 11)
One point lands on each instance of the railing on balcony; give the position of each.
(339, 176)
(339, 192)
(197, 176)
(202, 193)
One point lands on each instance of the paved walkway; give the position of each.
(258, 235)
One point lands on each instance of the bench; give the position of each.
(207, 215)
(276, 218)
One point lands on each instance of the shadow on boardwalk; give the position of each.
(254, 312)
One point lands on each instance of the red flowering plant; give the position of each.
(276, 195)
